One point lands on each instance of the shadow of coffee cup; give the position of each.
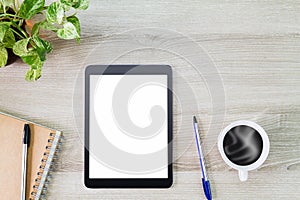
(244, 146)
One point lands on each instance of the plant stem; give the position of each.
(20, 29)
(21, 22)
(8, 15)
(75, 13)
(4, 9)
(32, 44)
(17, 33)
(15, 8)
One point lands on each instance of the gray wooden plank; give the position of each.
(254, 45)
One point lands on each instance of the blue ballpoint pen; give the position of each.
(205, 181)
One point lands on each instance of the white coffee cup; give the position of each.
(241, 154)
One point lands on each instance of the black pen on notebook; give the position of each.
(26, 141)
(205, 181)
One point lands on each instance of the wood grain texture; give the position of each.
(255, 46)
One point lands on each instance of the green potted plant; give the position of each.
(20, 35)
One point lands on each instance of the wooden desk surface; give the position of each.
(255, 46)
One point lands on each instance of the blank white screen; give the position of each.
(149, 91)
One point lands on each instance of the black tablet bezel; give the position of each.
(131, 182)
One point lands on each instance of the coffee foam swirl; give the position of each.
(243, 145)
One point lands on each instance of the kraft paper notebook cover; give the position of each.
(44, 144)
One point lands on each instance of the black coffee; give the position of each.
(243, 145)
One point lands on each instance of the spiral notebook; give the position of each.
(42, 152)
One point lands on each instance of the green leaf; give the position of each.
(3, 56)
(65, 6)
(41, 50)
(33, 74)
(4, 26)
(77, 4)
(31, 56)
(75, 21)
(68, 32)
(36, 29)
(35, 71)
(33, 60)
(20, 47)
(29, 8)
(48, 46)
(70, 3)
(9, 39)
(7, 3)
(42, 47)
(55, 13)
(84, 4)
(48, 26)
(66, 2)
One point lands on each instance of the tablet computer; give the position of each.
(128, 126)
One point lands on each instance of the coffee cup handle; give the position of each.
(243, 175)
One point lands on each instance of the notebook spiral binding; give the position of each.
(48, 161)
